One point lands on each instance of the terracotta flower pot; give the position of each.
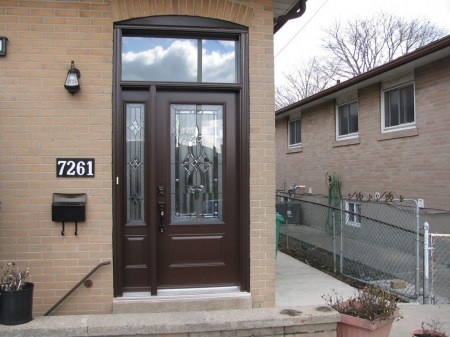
(351, 326)
(426, 333)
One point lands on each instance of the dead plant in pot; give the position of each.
(432, 329)
(369, 313)
(16, 295)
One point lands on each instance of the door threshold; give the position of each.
(199, 291)
(185, 292)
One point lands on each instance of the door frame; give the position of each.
(201, 27)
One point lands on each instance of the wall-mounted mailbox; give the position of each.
(69, 208)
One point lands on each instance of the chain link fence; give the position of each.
(304, 231)
(440, 268)
(371, 240)
(381, 244)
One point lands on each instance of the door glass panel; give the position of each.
(196, 162)
(179, 59)
(135, 161)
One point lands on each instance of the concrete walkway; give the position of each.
(299, 284)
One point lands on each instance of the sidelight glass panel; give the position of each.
(164, 59)
(135, 161)
(196, 162)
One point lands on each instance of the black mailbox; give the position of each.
(69, 208)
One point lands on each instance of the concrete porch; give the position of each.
(187, 315)
(305, 321)
(299, 311)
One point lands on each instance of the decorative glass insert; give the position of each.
(135, 161)
(196, 162)
(165, 59)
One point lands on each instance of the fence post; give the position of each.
(334, 239)
(426, 278)
(417, 249)
(341, 257)
(286, 221)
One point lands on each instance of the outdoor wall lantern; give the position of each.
(72, 84)
(3, 40)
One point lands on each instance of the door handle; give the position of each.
(161, 210)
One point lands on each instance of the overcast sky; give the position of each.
(307, 31)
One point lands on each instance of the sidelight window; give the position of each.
(135, 161)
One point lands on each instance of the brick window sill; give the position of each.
(346, 142)
(398, 134)
(294, 150)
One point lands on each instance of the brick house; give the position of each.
(385, 130)
(171, 140)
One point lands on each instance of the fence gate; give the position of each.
(440, 268)
(381, 244)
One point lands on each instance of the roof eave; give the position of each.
(421, 53)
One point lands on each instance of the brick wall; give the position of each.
(412, 164)
(262, 158)
(40, 121)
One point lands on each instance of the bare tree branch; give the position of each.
(354, 48)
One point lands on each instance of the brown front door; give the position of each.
(180, 200)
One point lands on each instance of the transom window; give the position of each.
(399, 108)
(294, 133)
(347, 120)
(179, 59)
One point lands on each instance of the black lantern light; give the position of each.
(3, 40)
(72, 84)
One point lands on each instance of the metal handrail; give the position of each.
(76, 286)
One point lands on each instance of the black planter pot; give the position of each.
(17, 307)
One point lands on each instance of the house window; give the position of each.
(399, 110)
(294, 133)
(347, 120)
(353, 213)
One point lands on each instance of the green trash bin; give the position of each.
(279, 219)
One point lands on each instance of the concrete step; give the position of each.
(309, 321)
(183, 300)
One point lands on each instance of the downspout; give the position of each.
(294, 13)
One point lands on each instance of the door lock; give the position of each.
(161, 191)
(161, 210)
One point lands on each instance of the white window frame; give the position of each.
(353, 220)
(348, 135)
(403, 126)
(294, 120)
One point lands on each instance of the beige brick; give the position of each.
(39, 122)
(419, 155)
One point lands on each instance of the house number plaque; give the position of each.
(75, 167)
